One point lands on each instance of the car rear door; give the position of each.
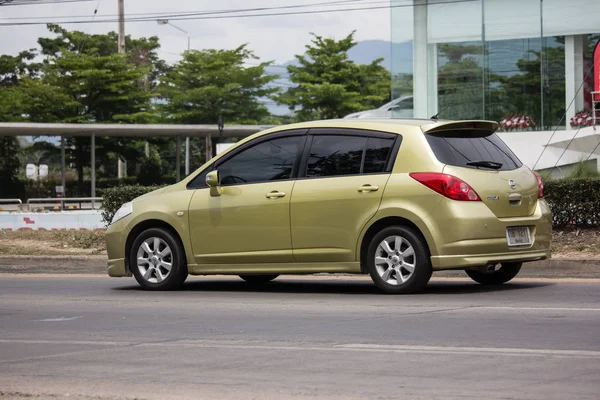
(341, 181)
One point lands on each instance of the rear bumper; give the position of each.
(467, 234)
(478, 260)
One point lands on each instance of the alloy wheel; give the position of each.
(395, 260)
(154, 260)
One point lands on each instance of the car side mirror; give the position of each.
(214, 183)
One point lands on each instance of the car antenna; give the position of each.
(435, 117)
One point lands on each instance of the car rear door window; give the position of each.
(461, 149)
(377, 154)
(334, 155)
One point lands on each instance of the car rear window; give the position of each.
(461, 148)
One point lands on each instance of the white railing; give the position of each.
(63, 200)
(13, 201)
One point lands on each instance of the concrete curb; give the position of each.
(573, 268)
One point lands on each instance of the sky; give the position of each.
(273, 38)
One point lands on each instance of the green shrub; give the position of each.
(114, 198)
(574, 202)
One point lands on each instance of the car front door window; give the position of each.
(271, 160)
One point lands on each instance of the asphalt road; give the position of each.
(101, 338)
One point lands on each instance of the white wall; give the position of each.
(528, 146)
(71, 220)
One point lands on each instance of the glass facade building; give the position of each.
(496, 59)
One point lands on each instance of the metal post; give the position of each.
(93, 169)
(483, 58)
(121, 41)
(178, 159)
(62, 165)
(187, 139)
(542, 69)
(187, 156)
(208, 145)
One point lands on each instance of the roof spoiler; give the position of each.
(474, 125)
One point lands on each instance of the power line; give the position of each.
(207, 12)
(37, 2)
(213, 17)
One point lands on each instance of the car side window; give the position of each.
(377, 154)
(334, 155)
(270, 160)
(199, 181)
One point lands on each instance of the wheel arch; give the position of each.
(142, 226)
(377, 226)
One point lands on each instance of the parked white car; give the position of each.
(402, 107)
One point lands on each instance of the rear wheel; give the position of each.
(157, 260)
(398, 260)
(496, 274)
(258, 279)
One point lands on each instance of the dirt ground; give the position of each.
(568, 243)
(52, 243)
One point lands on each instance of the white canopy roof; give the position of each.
(129, 130)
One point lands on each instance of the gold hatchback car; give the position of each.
(397, 199)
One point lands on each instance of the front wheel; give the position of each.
(157, 260)
(492, 275)
(398, 260)
(258, 279)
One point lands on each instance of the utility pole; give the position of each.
(121, 26)
(121, 165)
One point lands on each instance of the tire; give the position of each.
(258, 279)
(153, 273)
(505, 273)
(385, 268)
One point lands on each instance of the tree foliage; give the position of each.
(330, 85)
(211, 83)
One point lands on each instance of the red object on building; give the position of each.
(596, 61)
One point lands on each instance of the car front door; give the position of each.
(249, 222)
(340, 185)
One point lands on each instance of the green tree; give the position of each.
(85, 80)
(209, 84)
(329, 85)
(14, 68)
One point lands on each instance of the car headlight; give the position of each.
(122, 212)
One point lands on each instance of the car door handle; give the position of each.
(368, 188)
(275, 194)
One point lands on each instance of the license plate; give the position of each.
(518, 236)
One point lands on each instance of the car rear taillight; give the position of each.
(447, 185)
(540, 185)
